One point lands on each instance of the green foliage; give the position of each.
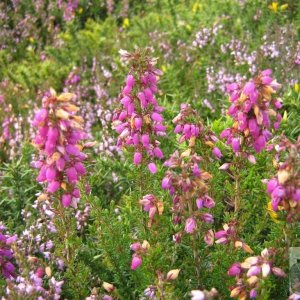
(18, 188)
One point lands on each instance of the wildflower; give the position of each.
(152, 205)
(250, 272)
(284, 188)
(58, 138)
(191, 129)
(140, 122)
(139, 251)
(254, 113)
(6, 253)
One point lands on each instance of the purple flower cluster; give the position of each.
(6, 253)
(11, 133)
(58, 139)
(139, 122)
(187, 184)
(206, 36)
(250, 272)
(253, 108)
(240, 54)
(217, 80)
(284, 188)
(190, 127)
(68, 8)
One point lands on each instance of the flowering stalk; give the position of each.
(284, 187)
(191, 129)
(139, 121)
(59, 139)
(187, 185)
(251, 273)
(253, 111)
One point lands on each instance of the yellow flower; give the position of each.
(31, 39)
(284, 6)
(196, 7)
(80, 10)
(296, 87)
(272, 213)
(125, 23)
(274, 6)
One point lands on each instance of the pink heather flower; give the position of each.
(235, 145)
(139, 250)
(208, 218)
(251, 114)
(165, 183)
(234, 270)
(53, 187)
(59, 133)
(6, 254)
(152, 205)
(254, 271)
(137, 158)
(253, 294)
(139, 121)
(66, 200)
(152, 168)
(251, 272)
(217, 152)
(284, 187)
(136, 262)
(190, 126)
(190, 225)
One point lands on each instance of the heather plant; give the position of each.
(181, 185)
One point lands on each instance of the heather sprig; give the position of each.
(59, 140)
(188, 186)
(191, 128)
(139, 122)
(284, 187)
(229, 235)
(251, 273)
(254, 112)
